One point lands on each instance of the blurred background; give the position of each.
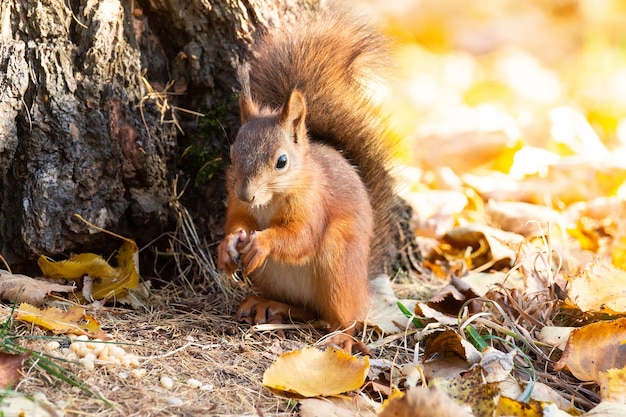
(532, 90)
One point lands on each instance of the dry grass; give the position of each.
(186, 330)
(182, 335)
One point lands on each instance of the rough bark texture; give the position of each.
(80, 131)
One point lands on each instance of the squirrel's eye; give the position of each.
(281, 162)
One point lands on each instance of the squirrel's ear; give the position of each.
(293, 115)
(247, 108)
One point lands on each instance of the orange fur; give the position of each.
(300, 218)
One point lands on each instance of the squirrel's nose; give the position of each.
(245, 193)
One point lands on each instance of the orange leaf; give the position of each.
(595, 348)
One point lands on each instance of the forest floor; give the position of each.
(515, 170)
(216, 365)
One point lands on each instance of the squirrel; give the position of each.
(310, 194)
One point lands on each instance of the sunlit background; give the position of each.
(520, 90)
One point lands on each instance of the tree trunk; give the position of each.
(86, 126)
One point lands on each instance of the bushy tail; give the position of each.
(339, 62)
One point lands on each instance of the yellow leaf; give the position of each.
(128, 273)
(58, 321)
(76, 267)
(311, 372)
(513, 408)
(618, 248)
(108, 282)
(599, 288)
(613, 385)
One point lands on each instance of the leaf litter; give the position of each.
(515, 308)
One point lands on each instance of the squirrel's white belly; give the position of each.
(291, 284)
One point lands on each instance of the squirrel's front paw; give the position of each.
(254, 254)
(228, 251)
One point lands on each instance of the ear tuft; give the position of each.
(247, 107)
(293, 115)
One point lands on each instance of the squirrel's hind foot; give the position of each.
(257, 310)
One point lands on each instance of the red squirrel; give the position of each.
(308, 226)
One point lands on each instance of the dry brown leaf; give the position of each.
(11, 369)
(595, 348)
(424, 310)
(424, 402)
(446, 355)
(450, 298)
(479, 245)
(600, 288)
(22, 288)
(73, 321)
(311, 372)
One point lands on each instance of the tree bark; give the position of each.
(82, 128)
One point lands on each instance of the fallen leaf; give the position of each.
(599, 288)
(524, 219)
(469, 388)
(16, 404)
(11, 369)
(107, 281)
(422, 309)
(618, 248)
(446, 354)
(435, 211)
(337, 407)
(555, 336)
(452, 297)
(513, 408)
(22, 288)
(595, 348)
(613, 385)
(385, 313)
(607, 409)
(479, 245)
(496, 365)
(73, 321)
(483, 282)
(424, 402)
(311, 372)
